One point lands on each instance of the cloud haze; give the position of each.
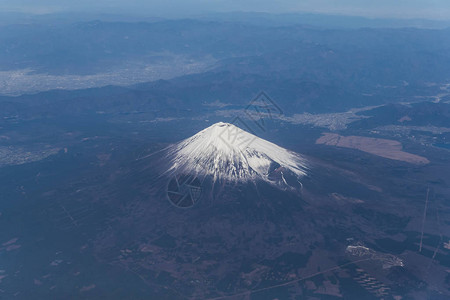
(431, 9)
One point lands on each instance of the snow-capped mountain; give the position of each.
(226, 152)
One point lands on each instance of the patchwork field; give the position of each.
(382, 147)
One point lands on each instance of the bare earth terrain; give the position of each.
(382, 147)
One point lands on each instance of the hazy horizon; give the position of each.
(412, 9)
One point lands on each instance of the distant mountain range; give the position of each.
(344, 61)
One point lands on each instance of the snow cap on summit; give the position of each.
(227, 152)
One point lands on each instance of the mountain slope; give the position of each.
(226, 152)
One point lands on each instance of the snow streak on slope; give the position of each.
(227, 152)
